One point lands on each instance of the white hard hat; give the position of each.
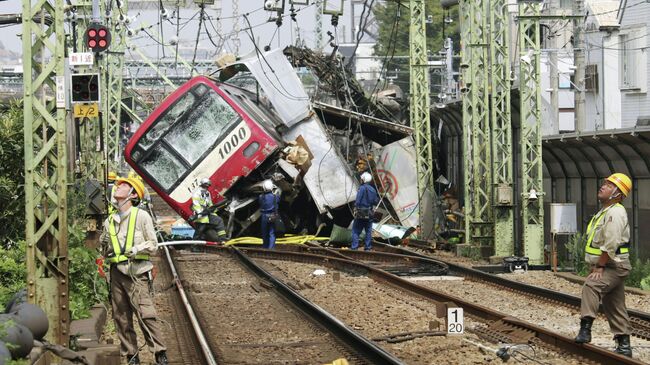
(205, 182)
(366, 177)
(268, 185)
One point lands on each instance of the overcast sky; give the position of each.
(264, 32)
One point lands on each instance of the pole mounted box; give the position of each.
(84, 87)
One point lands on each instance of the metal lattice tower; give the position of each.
(502, 152)
(318, 30)
(419, 108)
(90, 159)
(112, 74)
(236, 28)
(530, 136)
(479, 225)
(46, 167)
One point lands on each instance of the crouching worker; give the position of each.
(209, 226)
(127, 241)
(607, 251)
(367, 198)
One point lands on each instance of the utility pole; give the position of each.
(553, 75)
(530, 140)
(479, 222)
(502, 151)
(318, 27)
(112, 74)
(579, 62)
(420, 113)
(46, 169)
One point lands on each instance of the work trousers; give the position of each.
(357, 227)
(128, 297)
(268, 232)
(610, 290)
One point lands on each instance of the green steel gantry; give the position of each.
(532, 206)
(112, 75)
(419, 108)
(502, 153)
(479, 222)
(46, 169)
(91, 160)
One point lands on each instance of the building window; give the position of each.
(591, 78)
(632, 59)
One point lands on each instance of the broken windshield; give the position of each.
(202, 127)
(189, 129)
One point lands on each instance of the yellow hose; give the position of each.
(288, 239)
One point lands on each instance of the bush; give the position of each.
(576, 249)
(12, 175)
(13, 271)
(640, 272)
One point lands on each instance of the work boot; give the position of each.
(161, 358)
(133, 359)
(584, 335)
(623, 345)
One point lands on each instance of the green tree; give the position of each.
(393, 36)
(12, 175)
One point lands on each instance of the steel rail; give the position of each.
(356, 341)
(640, 321)
(563, 343)
(564, 298)
(198, 331)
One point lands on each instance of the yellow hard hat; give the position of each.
(136, 184)
(112, 176)
(621, 181)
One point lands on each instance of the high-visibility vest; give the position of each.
(203, 201)
(591, 231)
(118, 249)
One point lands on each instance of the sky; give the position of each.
(265, 33)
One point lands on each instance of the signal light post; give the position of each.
(97, 37)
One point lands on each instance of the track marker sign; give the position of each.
(455, 321)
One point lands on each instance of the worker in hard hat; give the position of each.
(147, 197)
(607, 250)
(269, 209)
(128, 240)
(207, 224)
(110, 188)
(364, 207)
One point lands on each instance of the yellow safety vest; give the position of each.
(201, 203)
(591, 231)
(130, 234)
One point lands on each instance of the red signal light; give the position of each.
(98, 37)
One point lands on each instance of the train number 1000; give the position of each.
(233, 140)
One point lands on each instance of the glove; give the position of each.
(205, 211)
(131, 253)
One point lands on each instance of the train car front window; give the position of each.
(167, 120)
(202, 127)
(163, 166)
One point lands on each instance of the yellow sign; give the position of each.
(86, 110)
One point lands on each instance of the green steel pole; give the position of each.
(530, 136)
(502, 152)
(113, 73)
(46, 167)
(476, 125)
(420, 113)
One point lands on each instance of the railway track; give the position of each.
(498, 326)
(639, 321)
(239, 313)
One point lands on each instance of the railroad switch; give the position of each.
(515, 263)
